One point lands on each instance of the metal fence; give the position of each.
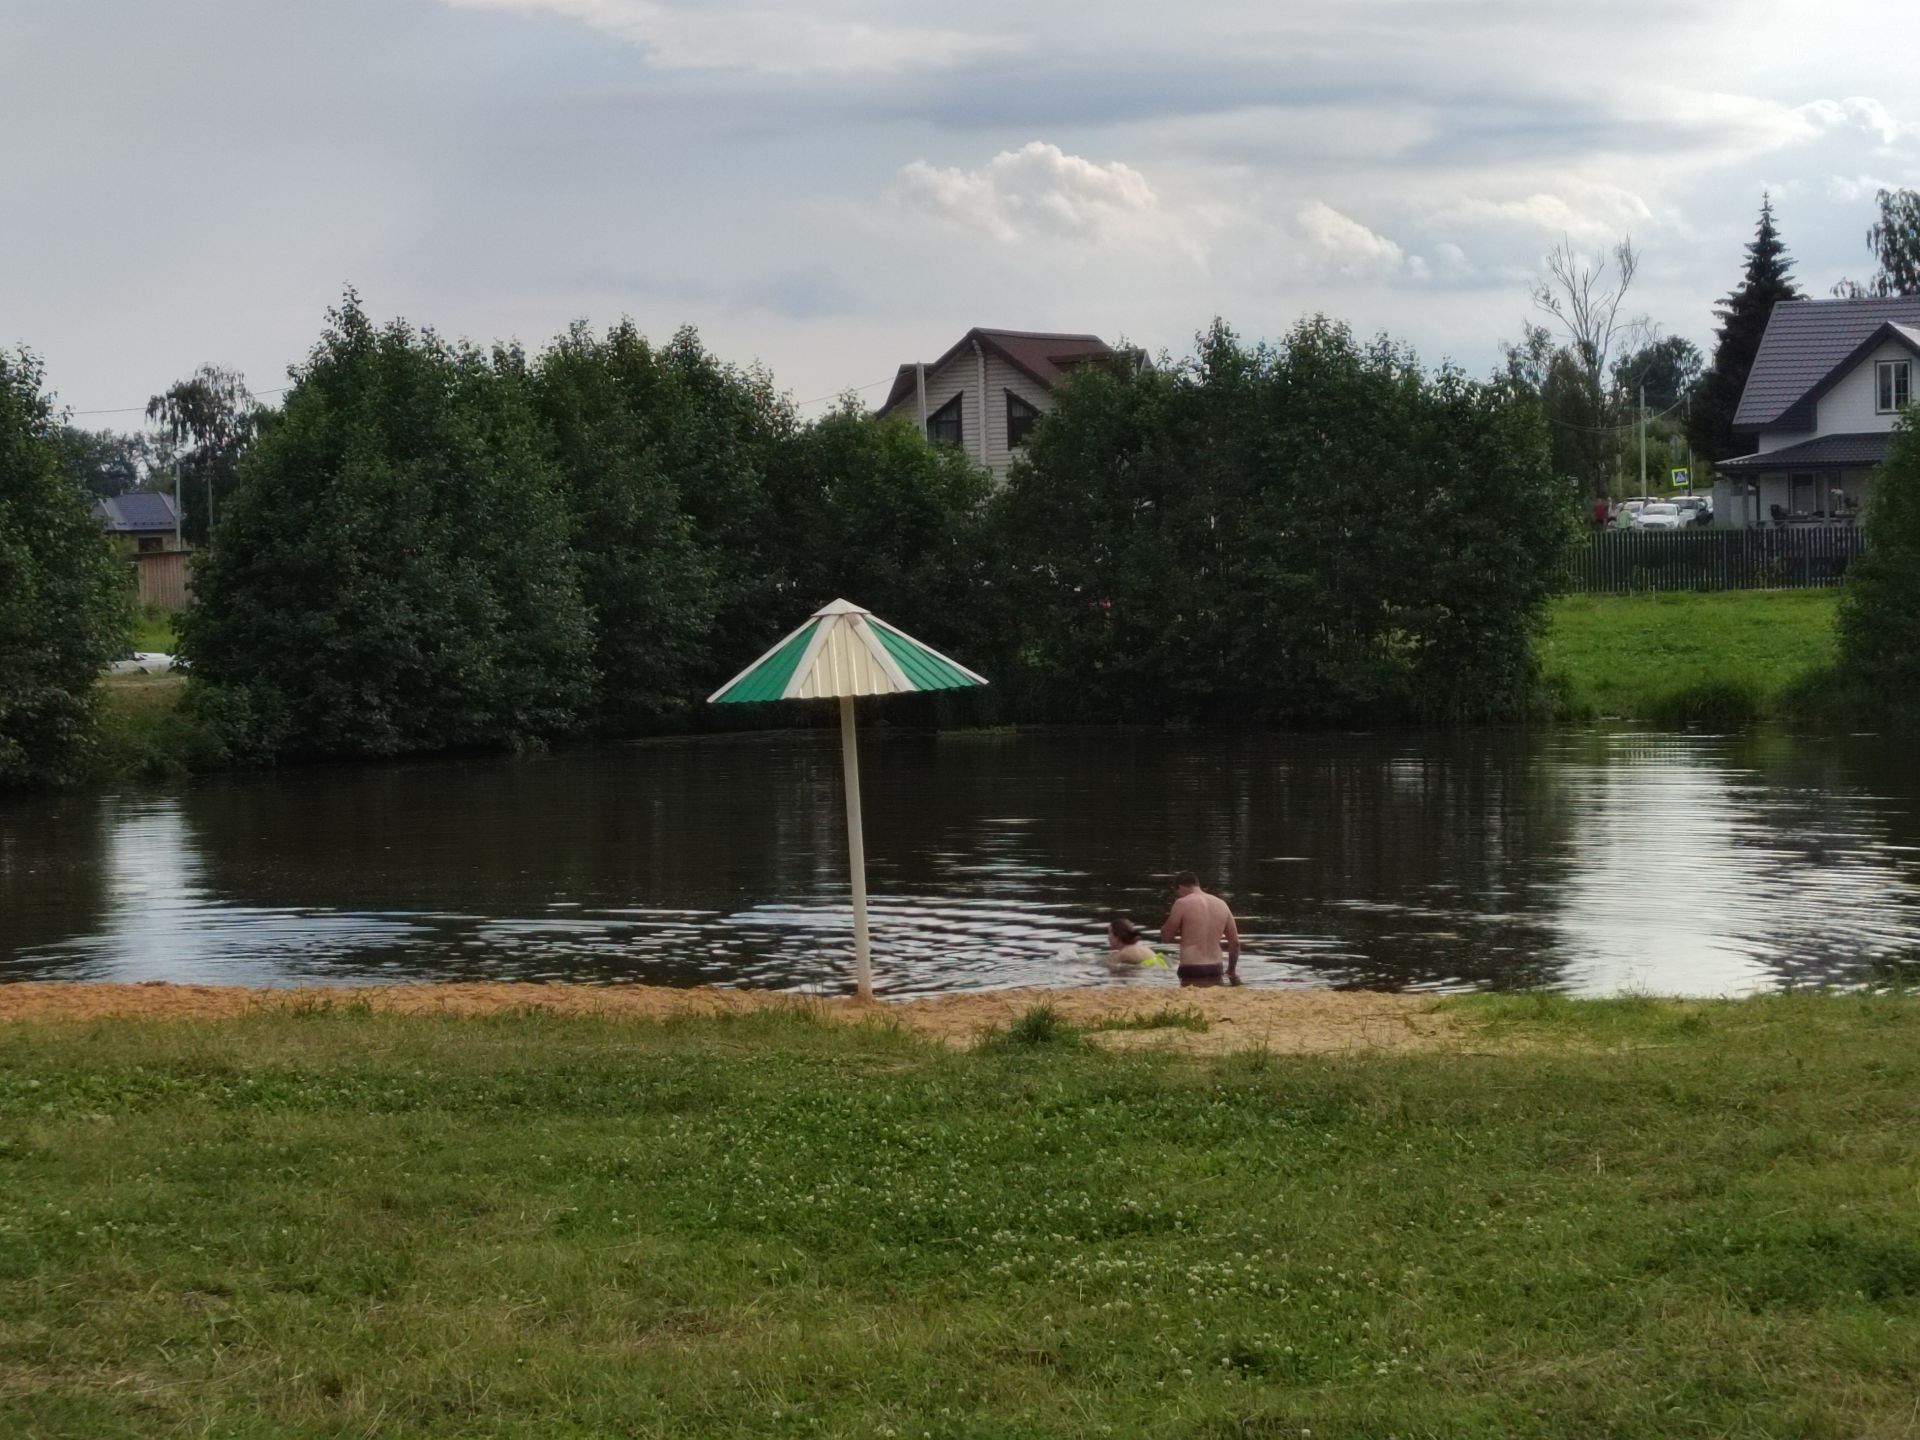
(1790, 557)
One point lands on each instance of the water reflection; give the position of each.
(1590, 862)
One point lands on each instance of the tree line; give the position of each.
(430, 544)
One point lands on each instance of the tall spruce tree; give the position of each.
(1743, 320)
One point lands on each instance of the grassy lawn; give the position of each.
(1649, 657)
(1621, 1218)
(153, 630)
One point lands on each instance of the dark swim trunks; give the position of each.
(1202, 974)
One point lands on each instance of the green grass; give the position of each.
(153, 630)
(1707, 661)
(1624, 1219)
(143, 733)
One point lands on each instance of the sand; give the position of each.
(1296, 1022)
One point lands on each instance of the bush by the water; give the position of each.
(1310, 531)
(65, 601)
(438, 546)
(1880, 609)
(394, 571)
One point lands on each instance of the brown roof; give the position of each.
(1042, 356)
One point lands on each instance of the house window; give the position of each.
(943, 426)
(1020, 418)
(1800, 494)
(149, 544)
(1893, 385)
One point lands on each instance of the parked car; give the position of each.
(1658, 515)
(1623, 517)
(141, 662)
(1694, 509)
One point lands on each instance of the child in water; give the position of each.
(1127, 947)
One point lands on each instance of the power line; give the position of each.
(844, 390)
(142, 409)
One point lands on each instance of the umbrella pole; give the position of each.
(856, 852)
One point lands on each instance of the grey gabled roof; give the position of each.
(1823, 453)
(1043, 356)
(1804, 343)
(136, 510)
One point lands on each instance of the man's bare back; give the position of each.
(1202, 924)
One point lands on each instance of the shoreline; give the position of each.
(1200, 1020)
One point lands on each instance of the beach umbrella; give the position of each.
(840, 653)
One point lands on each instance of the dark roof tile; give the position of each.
(1804, 341)
(137, 510)
(1819, 453)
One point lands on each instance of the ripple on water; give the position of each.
(1586, 862)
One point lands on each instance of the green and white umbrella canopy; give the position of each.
(840, 653)
(843, 650)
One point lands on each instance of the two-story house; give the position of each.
(1826, 389)
(987, 390)
(140, 521)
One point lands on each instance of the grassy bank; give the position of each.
(1713, 661)
(1710, 660)
(1618, 1219)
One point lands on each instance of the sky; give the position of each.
(837, 188)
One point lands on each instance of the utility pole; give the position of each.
(1643, 437)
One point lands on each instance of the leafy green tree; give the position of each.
(1894, 240)
(1743, 320)
(209, 419)
(106, 462)
(1311, 531)
(394, 571)
(1583, 299)
(611, 406)
(64, 599)
(1555, 375)
(1879, 620)
(896, 525)
(1668, 368)
(721, 431)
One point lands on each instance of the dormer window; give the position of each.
(1020, 418)
(1893, 385)
(943, 426)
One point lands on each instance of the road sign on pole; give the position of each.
(1682, 480)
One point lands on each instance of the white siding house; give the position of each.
(984, 390)
(1827, 388)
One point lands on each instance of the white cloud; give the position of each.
(1847, 189)
(1856, 112)
(1591, 212)
(706, 35)
(1040, 192)
(1351, 246)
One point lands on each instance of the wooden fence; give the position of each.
(1791, 557)
(161, 578)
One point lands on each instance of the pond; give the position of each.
(1588, 862)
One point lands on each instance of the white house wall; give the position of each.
(961, 376)
(1002, 377)
(1848, 408)
(956, 378)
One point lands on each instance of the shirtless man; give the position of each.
(1199, 922)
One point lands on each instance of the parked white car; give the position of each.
(141, 662)
(1658, 515)
(1625, 513)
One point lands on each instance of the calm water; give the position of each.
(1587, 862)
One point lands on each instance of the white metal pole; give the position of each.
(856, 852)
(1643, 437)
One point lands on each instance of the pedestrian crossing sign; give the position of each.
(1682, 480)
